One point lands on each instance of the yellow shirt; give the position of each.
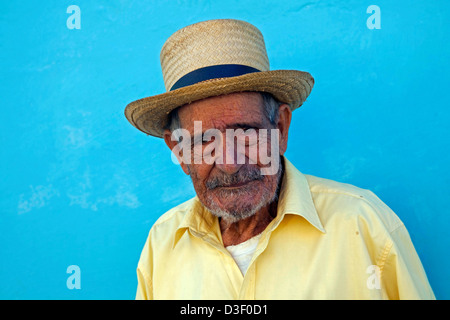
(329, 240)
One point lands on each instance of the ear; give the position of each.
(283, 124)
(176, 150)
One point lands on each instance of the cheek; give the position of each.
(199, 174)
(269, 184)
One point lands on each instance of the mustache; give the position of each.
(244, 175)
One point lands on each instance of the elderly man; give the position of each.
(258, 228)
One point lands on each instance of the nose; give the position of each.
(231, 158)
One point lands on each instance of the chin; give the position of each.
(234, 204)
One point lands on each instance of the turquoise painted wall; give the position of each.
(80, 186)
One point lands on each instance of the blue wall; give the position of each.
(80, 186)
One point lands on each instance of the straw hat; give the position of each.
(213, 58)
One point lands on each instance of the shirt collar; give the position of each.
(294, 198)
(200, 222)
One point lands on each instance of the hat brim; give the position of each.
(150, 115)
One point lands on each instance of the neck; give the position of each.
(237, 232)
(245, 229)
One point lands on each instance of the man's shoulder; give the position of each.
(175, 215)
(349, 201)
(162, 231)
(327, 186)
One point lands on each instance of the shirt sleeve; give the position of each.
(403, 275)
(144, 290)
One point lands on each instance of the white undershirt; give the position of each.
(243, 252)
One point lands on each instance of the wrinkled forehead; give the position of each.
(223, 112)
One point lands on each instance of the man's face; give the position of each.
(227, 187)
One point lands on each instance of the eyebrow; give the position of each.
(245, 125)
